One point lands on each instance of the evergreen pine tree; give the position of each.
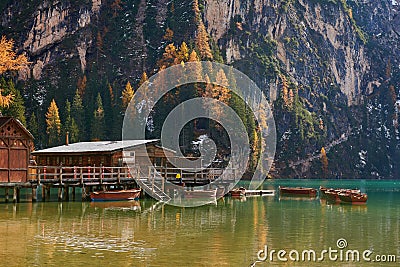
(77, 113)
(5, 99)
(98, 123)
(33, 125)
(16, 108)
(53, 124)
(70, 125)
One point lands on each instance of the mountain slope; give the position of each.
(329, 67)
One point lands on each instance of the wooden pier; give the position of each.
(262, 192)
(67, 179)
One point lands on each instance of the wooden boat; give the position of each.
(115, 195)
(353, 198)
(298, 191)
(331, 194)
(238, 192)
(322, 191)
(201, 194)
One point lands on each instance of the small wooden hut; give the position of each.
(16, 143)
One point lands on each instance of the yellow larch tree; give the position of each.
(127, 95)
(169, 35)
(53, 124)
(285, 90)
(324, 161)
(202, 42)
(8, 58)
(183, 53)
(221, 91)
(9, 61)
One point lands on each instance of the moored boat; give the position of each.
(115, 195)
(331, 194)
(353, 198)
(298, 191)
(201, 193)
(322, 191)
(238, 192)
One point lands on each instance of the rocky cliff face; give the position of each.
(338, 58)
(342, 58)
(311, 37)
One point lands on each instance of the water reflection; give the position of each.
(118, 205)
(226, 233)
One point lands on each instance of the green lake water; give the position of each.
(230, 232)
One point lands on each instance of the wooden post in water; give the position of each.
(6, 194)
(164, 177)
(34, 195)
(83, 192)
(66, 193)
(60, 193)
(16, 195)
(73, 193)
(48, 192)
(43, 193)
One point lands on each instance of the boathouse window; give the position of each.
(88, 160)
(80, 161)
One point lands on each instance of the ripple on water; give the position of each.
(69, 243)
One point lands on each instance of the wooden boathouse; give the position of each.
(16, 144)
(100, 165)
(89, 165)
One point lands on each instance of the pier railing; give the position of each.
(105, 174)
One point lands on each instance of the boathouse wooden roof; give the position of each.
(7, 120)
(105, 153)
(95, 147)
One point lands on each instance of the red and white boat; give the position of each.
(115, 195)
(238, 192)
